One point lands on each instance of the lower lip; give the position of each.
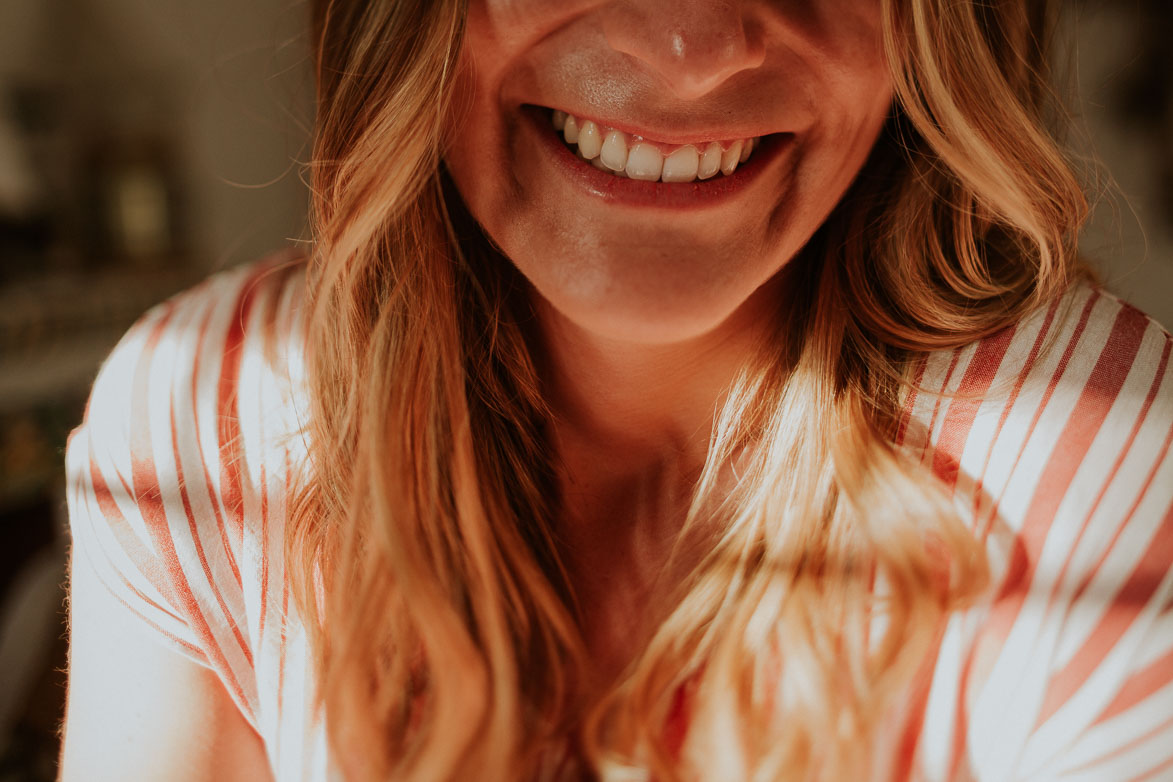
(635, 192)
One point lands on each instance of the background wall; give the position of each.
(143, 145)
(146, 143)
(1121, 67)
(225, 84)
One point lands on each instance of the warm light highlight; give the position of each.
(421, 546)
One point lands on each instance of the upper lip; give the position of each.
(686, 131)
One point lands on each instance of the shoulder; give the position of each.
(1054, 436)
(170, 472)
(1036, 415)
(1056, 433)
(179, 371)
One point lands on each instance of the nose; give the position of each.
(691, 45)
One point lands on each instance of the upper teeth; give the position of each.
(633, 156)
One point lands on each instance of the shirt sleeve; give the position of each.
(1088, 668)
(1107, 709)
(115, 519)
(146, 511)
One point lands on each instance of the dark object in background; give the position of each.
(26, 220)
(34, 654)
(23, 242)
(1145, 96)
(85, 188)
(132, 204)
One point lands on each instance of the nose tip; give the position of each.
(693, 47)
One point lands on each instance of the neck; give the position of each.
(632, 420)
(645, 405)
(641, 404)
(631, 430)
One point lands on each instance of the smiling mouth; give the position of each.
(630, 156)
(650, 188)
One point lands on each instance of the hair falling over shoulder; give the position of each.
(421, 549)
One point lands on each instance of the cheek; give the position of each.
(473, 144)
(851, 89)
(840, 55)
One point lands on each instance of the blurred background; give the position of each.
(143, 145)
(147, 143)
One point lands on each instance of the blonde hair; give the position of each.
(421, 548)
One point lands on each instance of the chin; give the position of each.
(643, 317)
(657, 293)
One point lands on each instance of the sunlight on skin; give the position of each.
(648, 311)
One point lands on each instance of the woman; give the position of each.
(677, 390)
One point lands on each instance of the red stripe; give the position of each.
(146, 600)
(1163, 451)
(127, 539)
(156, 571)
(1137, 590)
(139, 555)
(194, 527)
(1159, 770)
(937, 405)
(918, 699)
(1140, 685)
(1060, 368)
(910, 403)
(228, 414)
(150, 503)
(979, 374)
(264, 547)
(1020, 381)
(284, 600)
(1095, 400)
(284, 643)
(1101, 390)
(961, 721)
(1127, 605)
(993, 635)
(1133, 742)
(195, 651)
(213, 500)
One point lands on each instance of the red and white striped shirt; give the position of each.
(1054, 436)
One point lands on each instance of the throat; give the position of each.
(617, 625)
(624, 583)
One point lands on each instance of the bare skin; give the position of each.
(631, 435)
(648, 312)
